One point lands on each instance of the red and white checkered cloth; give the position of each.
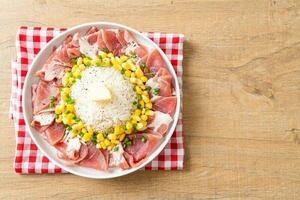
(29, 158)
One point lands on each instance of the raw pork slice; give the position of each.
(166, 105)
(160, 122)
(140, 147)
(117, 158)
(97, 159)
(72, 151)
(155, 61)
(41, 95)
(55, 133)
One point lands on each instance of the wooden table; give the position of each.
(241, 99)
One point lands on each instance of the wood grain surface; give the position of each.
(241, 99)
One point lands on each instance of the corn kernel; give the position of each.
(70, 107)
(137, 112)
(145, 99)
(133, 121)
(144, 79)
(117, 130)
(110, 55)
(74, 68)
(139, 73)
(58, 119)
(84, 130)
(128, 125)
(123, 58)
(59, 109)
(86, 61)
(102, 144)
(106, 62)
(71, 80)
(149, 105)
(87, 136)
(80, 125)
(98, 146)
(132, 75)
(142, 103)
(114, 141)
(139, 82)
(118, 60)
(65, 81)
(132, 67)
(73, 133)
(140, 126)
(121, 137)
(90, 130)
(132, 80)
(79, 61)
(75, 127)
(102, 54)
(117, 66)
(138, 90)
(113, 137)
(100, 137)
(144, 117)
(127, 73)
(106, 142)
(128, 131)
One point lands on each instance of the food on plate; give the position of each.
(103, 100)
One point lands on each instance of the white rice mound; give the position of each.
(102, 117)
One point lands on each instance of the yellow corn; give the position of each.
(142, 103)
(121, 137)
(138, 90)
(132, 80)
(84, 130)
(71, 80)
(73, 133)
(118, 60)
(114, 141)
(100, 137)
(80, 125)
(98, 146)
(59, 109)
(70, 107)
(102, 54)
(127, 73)
(79, 61)
(128, 125)
(133, 121)
(123, 58)
(137, 112)
(139, 73)
(117, 130)
(106, 142)
(86, 61)
(58, 119)
(149, 112)
(90, 130)
(87, 136)
(149, 105)
(65, 81)
(110, 55)
(132, 67)
(144, 79)
(145, 99)
(144, 117)
(139, 126)
(106, 62)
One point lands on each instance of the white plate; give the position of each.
(50, 151)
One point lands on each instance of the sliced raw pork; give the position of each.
(166, 105)
(41, 94)
(97, 159)
(142, 145)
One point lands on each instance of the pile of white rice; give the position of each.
(102, 117)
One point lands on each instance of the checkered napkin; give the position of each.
(28, 158)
